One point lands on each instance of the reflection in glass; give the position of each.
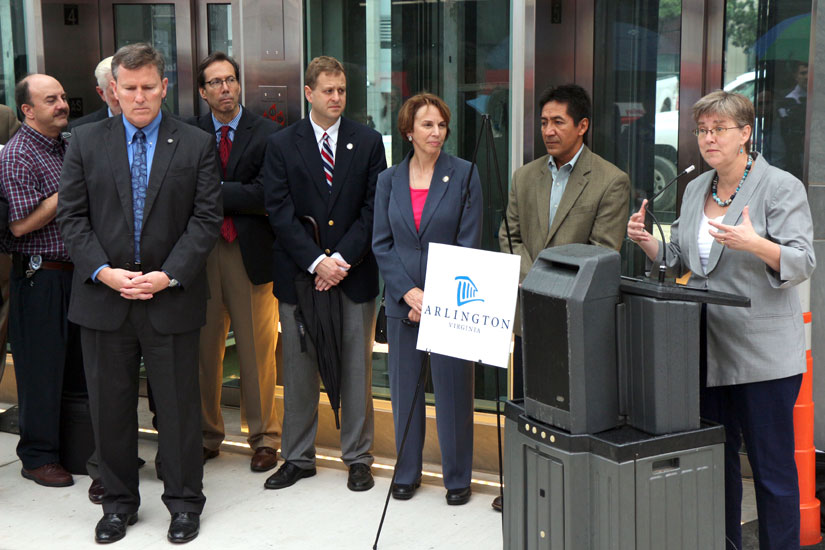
(14, 64)
(154, 24)
(766, 59)
(636, 100)
(219, 21)
(457, 50)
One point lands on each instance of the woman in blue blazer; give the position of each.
(745, 227)
(425, 199)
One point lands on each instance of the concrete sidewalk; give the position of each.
(318, 512)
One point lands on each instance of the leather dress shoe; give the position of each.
(184, 527)
(209, 454)
(96, 491)
(498, 503)
(112, 527)
(287, 475)
(265, 458)
(360, 477)
(456, 497)
(49, 475)
(401, 491)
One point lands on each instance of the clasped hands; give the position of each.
(133, 285)
(329, 272)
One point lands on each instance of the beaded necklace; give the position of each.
(715, 183)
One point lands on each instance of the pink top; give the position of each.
(418, 198)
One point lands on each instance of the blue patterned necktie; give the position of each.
(139, 178)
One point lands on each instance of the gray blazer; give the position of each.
(402, 251)
(767, 340)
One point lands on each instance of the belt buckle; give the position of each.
(35, 263)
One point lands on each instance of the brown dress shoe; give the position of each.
(209, 454)
(498, 503)
(50, 475)
(96, 491)
(265, 458)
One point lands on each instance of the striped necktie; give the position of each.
(328, 158)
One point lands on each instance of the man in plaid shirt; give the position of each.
(45, 346)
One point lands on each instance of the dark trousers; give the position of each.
(453, 386)
(47, 360)
(761, 413)
(112, 365)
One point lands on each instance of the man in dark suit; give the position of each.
(239, 268)
(325, 166)
(140, 211)
(111, 107)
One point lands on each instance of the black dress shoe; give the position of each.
(96, 491)
(287, 475)
(498, 503)
(458, 496)
(401, 491)
(360, 477)
(112, 527)
(184, 527)
(209, 454)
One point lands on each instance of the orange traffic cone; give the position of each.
(805, 453)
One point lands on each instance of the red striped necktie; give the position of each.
(328, 158)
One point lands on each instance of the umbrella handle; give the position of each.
(315, 230)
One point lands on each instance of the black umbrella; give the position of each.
(320, 315)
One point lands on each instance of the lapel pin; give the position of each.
(445, 179)
(349, 146)
(170, 140)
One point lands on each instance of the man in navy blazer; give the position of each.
(239, 268)
(325, 167)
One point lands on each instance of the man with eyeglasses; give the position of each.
(570, 195)
(239, 269)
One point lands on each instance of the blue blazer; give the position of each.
(400, 249)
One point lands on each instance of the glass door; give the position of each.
(168, 27)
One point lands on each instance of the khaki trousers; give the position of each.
(253, 312)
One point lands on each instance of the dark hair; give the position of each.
(214, 58)
(406, 115)
(136, 56)
(322, 64)
(573, 95)
(22, 94)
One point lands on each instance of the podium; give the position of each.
(607, 450)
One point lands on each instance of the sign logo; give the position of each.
(466, 291)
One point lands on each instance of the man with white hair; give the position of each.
(103, 76)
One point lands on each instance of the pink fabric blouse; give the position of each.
(418, 198)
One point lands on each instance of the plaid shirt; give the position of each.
(30, 165)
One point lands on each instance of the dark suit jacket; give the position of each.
(295, 186)
(181, 221)
(243, 191)
(97, 116)
(400, 249)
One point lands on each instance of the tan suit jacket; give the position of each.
(593, 210)
(8, 124)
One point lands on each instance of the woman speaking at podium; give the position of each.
(745, 228)
(425, 199)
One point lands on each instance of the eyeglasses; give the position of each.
(218, 82)
(718, 131)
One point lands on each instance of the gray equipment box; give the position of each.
(618, 490)
(569, 338)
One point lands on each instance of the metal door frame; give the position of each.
(184, 42)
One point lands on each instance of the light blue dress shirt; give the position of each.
(233, 126)
(560, 177)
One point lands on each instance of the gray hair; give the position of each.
(136, 56)
(103, 72)
(731, 105)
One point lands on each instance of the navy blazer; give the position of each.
(295, 186)
(243, 191)
(400, 249)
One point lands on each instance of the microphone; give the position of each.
(649, 212)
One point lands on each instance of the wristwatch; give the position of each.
(173, 283)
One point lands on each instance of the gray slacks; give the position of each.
(302, 386)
